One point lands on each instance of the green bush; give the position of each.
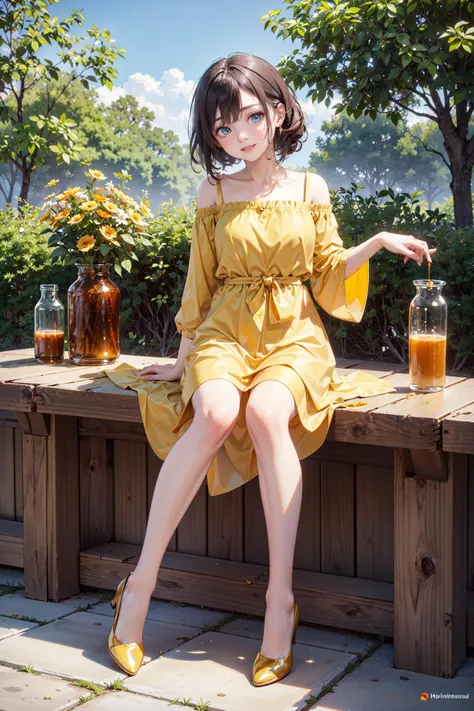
(151, 293)
(24, 265)
(383, 332)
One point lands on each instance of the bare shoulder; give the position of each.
(207, 193)
(318, 190)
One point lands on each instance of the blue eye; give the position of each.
(257, 113)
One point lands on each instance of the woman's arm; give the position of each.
(361, 253)
(410, 246)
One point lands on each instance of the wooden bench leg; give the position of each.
(51, 506)
(430, 571)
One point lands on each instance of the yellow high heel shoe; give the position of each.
(129, 657)
(267, 671)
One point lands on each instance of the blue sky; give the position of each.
(170, 43)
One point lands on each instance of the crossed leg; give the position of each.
(270, 407)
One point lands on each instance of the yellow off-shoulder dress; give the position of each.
(252, 319)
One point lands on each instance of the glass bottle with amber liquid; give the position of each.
(428, 321)
(49, 326)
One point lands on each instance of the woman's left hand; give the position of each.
(410, 246)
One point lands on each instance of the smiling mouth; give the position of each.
(247, 148)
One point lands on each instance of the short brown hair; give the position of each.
(219, 88)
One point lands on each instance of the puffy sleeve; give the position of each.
(201, 282)
(343, 298)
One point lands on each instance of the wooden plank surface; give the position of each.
(18, 354)
(35, 470)
(17, 397)
(62, 508)
(11, 543)
(458, 430)
(191, 533)
(15, 368)
(470, 523)
(255, 530)
(18, 437)
(308, 538)
(374, 522)
(337, 518)
(96, 484)
(402, 418)
(224, 525)
(430, 570)
(130, 491)
(347, 603)
(7, 473)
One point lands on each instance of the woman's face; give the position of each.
(251, 128)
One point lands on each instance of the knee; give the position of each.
(217, 421)
(264, 418)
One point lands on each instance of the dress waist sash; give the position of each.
(262, 288)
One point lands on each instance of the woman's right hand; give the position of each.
(167, 371)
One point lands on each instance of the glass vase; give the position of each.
(93, 303)
(49, 326)
(428, 321)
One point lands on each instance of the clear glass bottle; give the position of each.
(428, 323)
(49, 326)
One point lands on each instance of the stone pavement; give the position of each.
(54, 656)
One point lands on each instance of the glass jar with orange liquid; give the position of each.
(49, 326)
(428, 321)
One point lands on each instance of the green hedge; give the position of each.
(151, 294)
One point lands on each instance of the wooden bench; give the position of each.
(386, 537)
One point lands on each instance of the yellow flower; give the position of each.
(85, 243)
(108, 232)
(70, 193)
(99, 198)
(88, 205)
(145, 209)
(61, 215)
(51, 183)
(95, 174)
(102, 213)
(111, 206)
(136, 218)
(45, 216)
(99, 189)
(126, 198)
(76, 219)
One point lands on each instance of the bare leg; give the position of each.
(270, 407)
(216, 406)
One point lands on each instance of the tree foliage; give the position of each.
(390, 57)
(25, 27)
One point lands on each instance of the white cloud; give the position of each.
(168, 97)
(107, 96)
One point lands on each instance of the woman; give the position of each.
(253, 389)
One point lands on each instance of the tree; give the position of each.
(422, 151)
(360, 151)
(391, 57)
(379, 155)
(25, 27)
